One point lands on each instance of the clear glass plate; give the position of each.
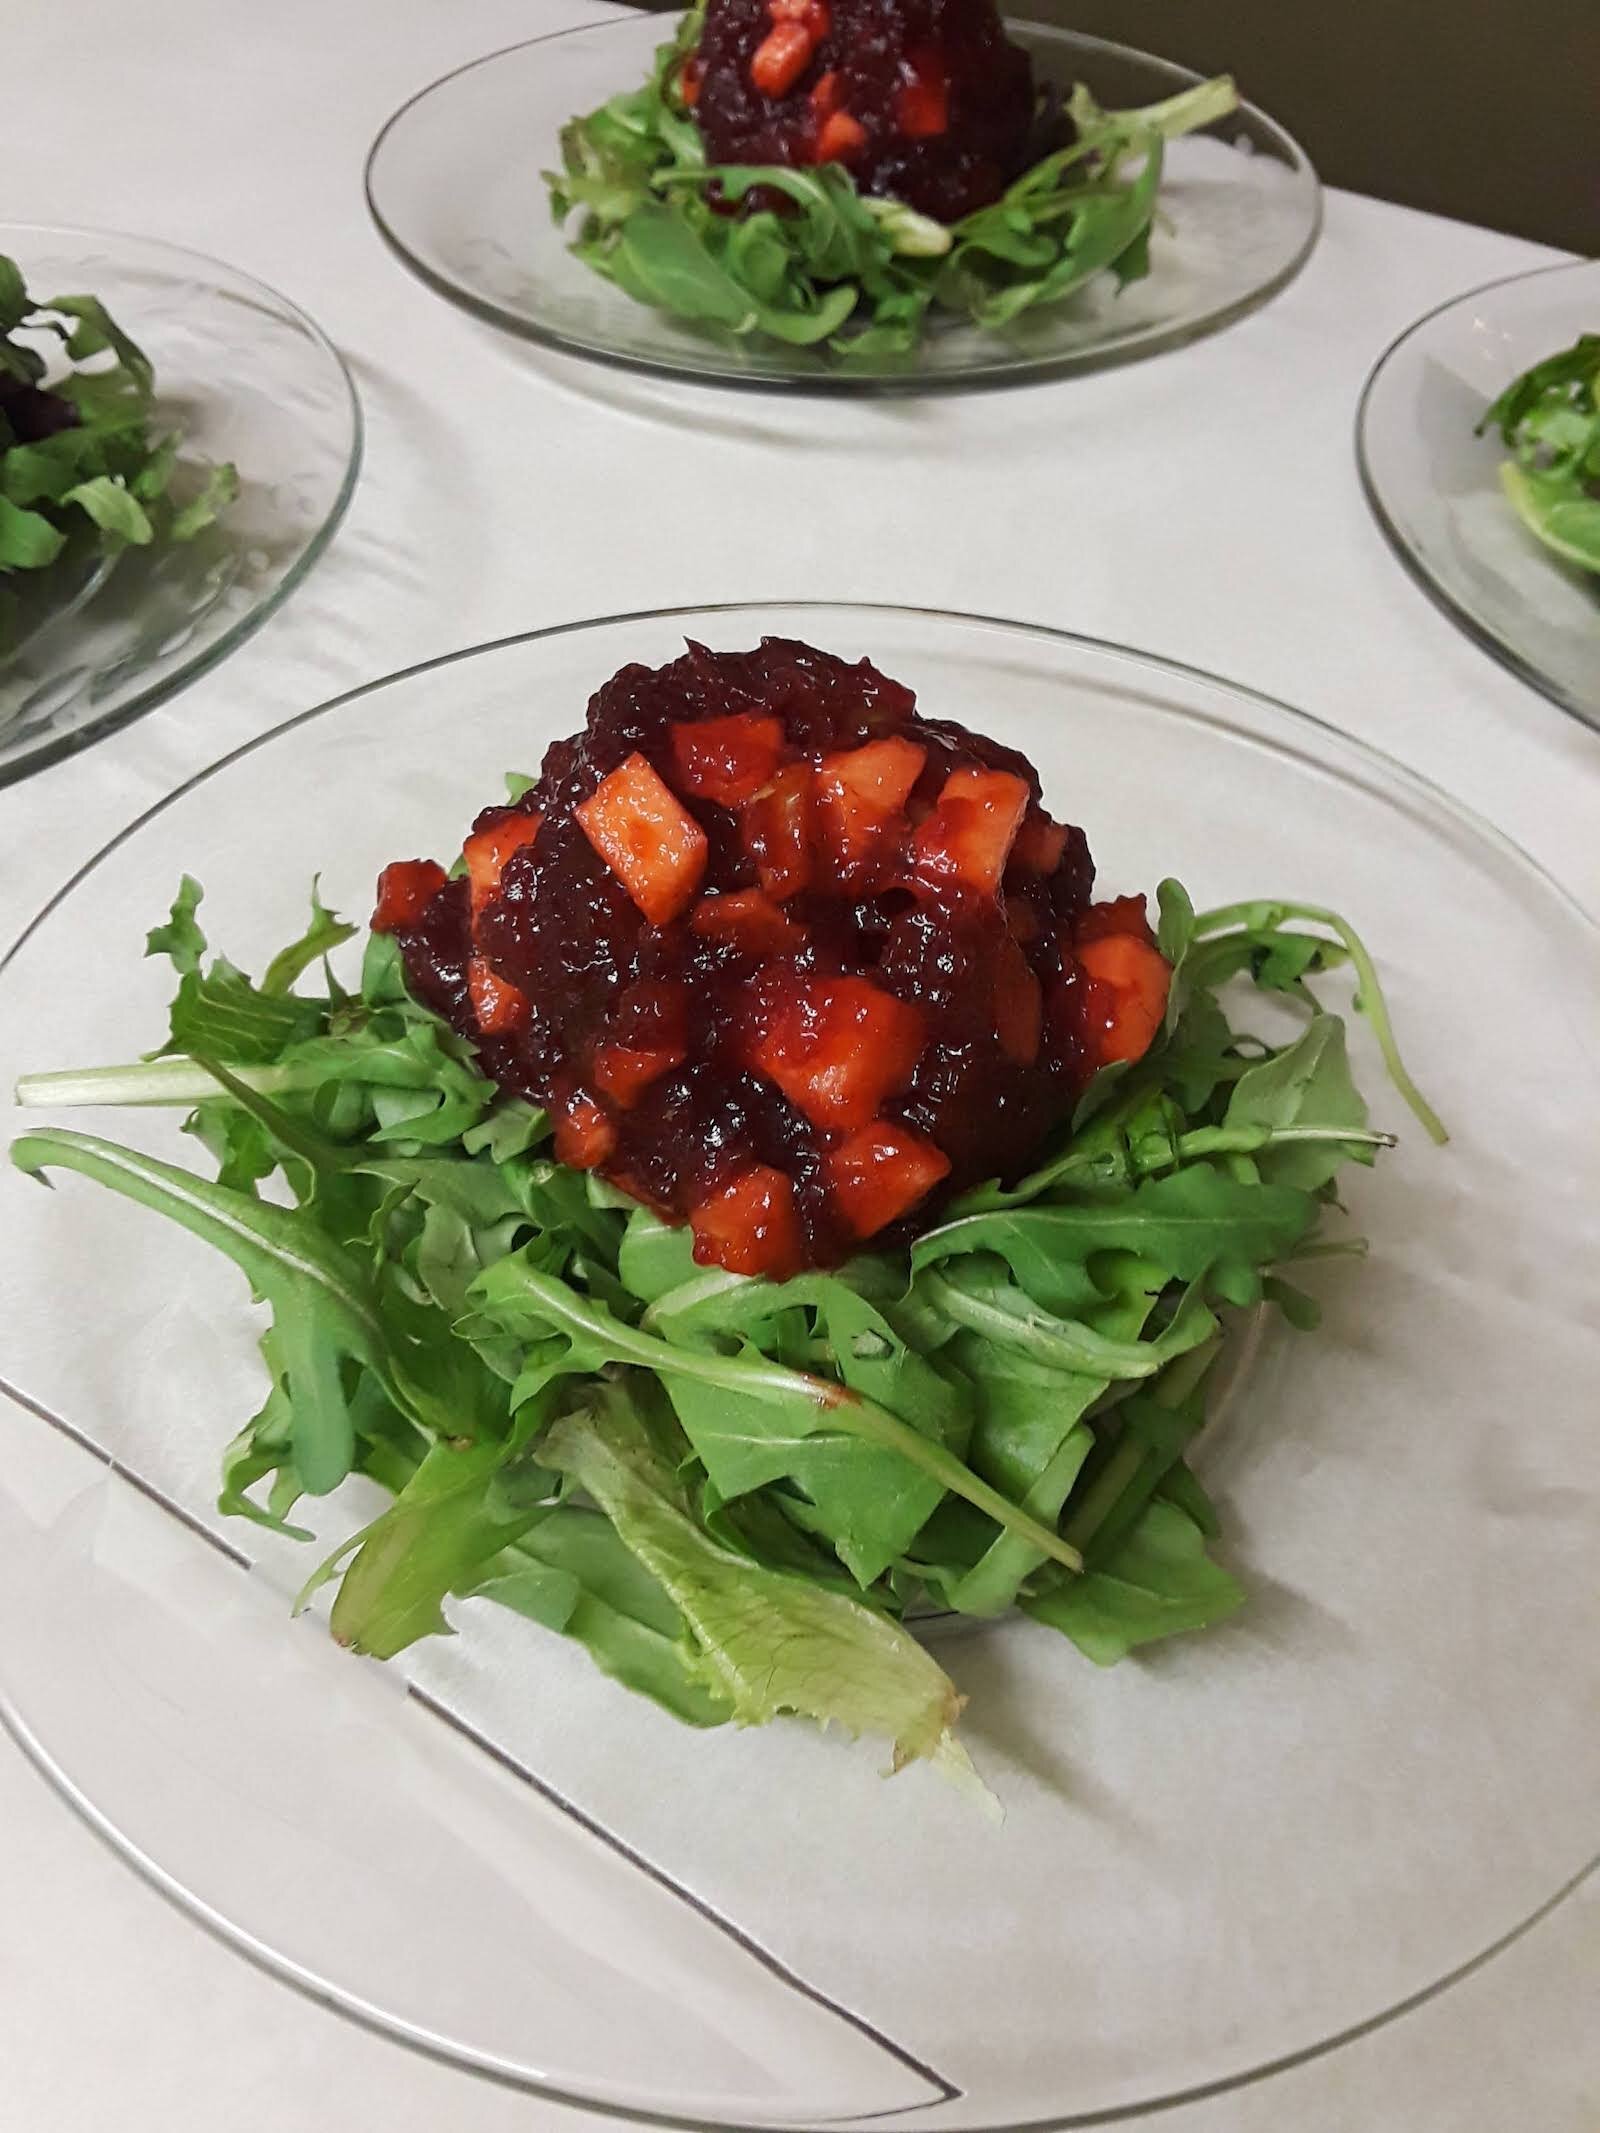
(248, 378)
(1435, 487)
(454, 183)
(1227, 1857)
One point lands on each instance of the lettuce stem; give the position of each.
(151, 1081)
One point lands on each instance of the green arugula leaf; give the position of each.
(1562, 509)
(181, 939)
(220, 1013)
(449, 1523)
(866, 1498)
(1569, 377)
(1184, 1224)
(114, 509)
(516, 1296)
(219, 489)
(28, 541)
(1159, 1582)
(325, 932)
(14, 305)
(1307, 1085)
(322, 1304)
(96, 332)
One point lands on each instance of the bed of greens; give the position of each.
(1550, 419)
(87, 465)
(734, 1493)
(839, 269)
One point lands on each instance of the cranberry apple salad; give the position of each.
(837, 173)
(757, 1196)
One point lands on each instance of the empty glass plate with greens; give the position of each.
(1432, 463)
(180, 443)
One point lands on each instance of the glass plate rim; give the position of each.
(994, 377)
(485, 2066)
(1506, 655)
(158, 691)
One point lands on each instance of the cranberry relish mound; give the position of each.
(925, 101)
(836, 175)
(782, 958)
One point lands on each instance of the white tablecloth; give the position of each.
(1204, 505)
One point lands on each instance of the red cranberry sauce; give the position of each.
(780, 955)
(924, 100)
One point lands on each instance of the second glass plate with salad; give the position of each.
(611, 194)
(1494, 504)
(178, 444)
(1217, 1496)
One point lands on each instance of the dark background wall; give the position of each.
(1484, 109)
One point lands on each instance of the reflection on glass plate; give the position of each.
(1216, 1860)
(1435, 486)
(247, 378)
(455, 183)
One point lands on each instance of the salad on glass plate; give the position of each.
(85, 471)
(765, 1237)
(843, 195)
(1478, 441)
(177, 447)
(759, 1195)
(1550, 419)
(830, 172)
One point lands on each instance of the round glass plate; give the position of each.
(247, 378)
(1435, 486)
(454, 181)
(1215, 1862)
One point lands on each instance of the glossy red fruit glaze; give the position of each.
(827, 1007)
(726, 759)
(939, 103)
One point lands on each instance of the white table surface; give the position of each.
(1203, 504)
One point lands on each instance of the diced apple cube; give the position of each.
(499, 1006)
(748, 920)
(837, 1047)
(646, 837)
(726, 759)
(861, 795)
(1119, 915)
(487, 850)
(405, 890)
(881, 1172)
(777, 827)
(584, 1135)
(1129, 1001)
(750, 1225)
(839, 137)
(969, 835)
(624, 1071)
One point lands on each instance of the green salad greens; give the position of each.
(1550, 418)
(85, 464)
(840, 269)
(733, 1492)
